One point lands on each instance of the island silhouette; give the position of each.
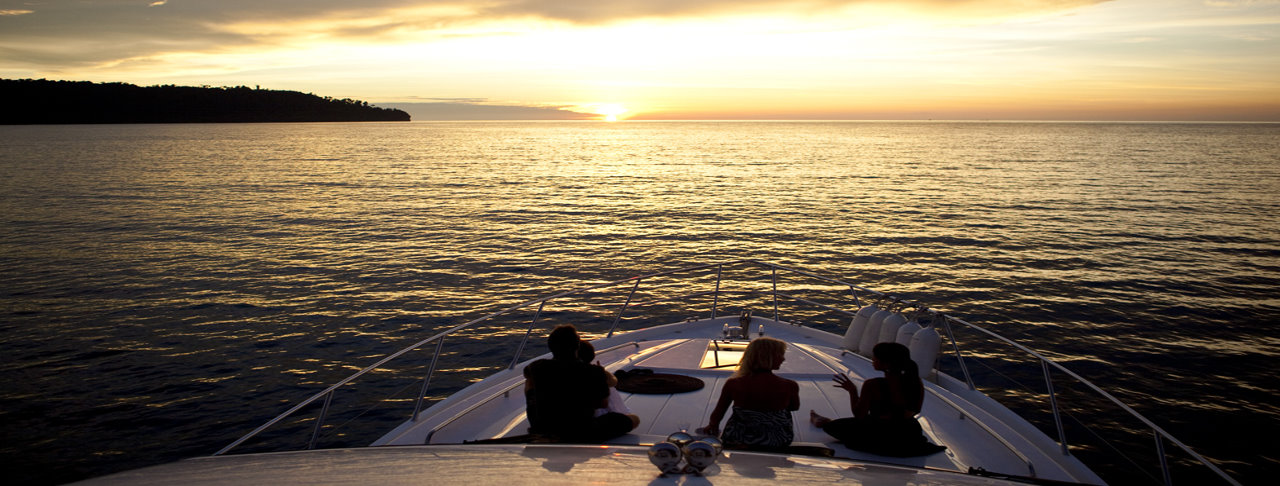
(40, 101)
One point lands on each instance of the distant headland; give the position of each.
(39, 102)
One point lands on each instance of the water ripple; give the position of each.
(168, 287)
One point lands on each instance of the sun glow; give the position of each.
(1068, 59)
(610, 111)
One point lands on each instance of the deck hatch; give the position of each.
(722, 354)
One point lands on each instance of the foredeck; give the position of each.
(664, 414)
(976, 433)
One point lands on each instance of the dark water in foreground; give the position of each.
(165, 288)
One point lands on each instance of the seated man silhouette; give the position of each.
(562, 394)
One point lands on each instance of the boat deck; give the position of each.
(976, 430)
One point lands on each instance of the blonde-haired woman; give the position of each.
(762, 402)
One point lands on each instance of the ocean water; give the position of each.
(166, 288)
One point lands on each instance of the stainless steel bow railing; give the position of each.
(858, 293)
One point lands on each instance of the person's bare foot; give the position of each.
(817, 420)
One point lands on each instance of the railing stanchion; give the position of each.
(520, 349)
(324, 411)
(775, 293)
(618, 318)
(1053, 404)
(946, 326)
(426, 382)
(715, 299)
(1164, 461)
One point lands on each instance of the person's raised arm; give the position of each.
(869, 395)
(847, 384)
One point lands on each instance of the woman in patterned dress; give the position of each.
(762, 402)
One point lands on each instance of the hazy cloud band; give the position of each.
(50, 34)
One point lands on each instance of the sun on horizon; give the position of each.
(610, 111)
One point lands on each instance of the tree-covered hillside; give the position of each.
(31, 101)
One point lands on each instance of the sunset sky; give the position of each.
(683, 59)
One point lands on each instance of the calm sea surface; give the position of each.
(165, 288)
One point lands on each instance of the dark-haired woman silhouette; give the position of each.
(883, 419)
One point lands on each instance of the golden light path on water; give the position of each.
(197, 279)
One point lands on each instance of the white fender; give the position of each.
(889, 330)
(906, 332)
(924, 347)
(872, 334)
(853, 337)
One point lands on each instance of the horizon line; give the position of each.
(830, 120)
